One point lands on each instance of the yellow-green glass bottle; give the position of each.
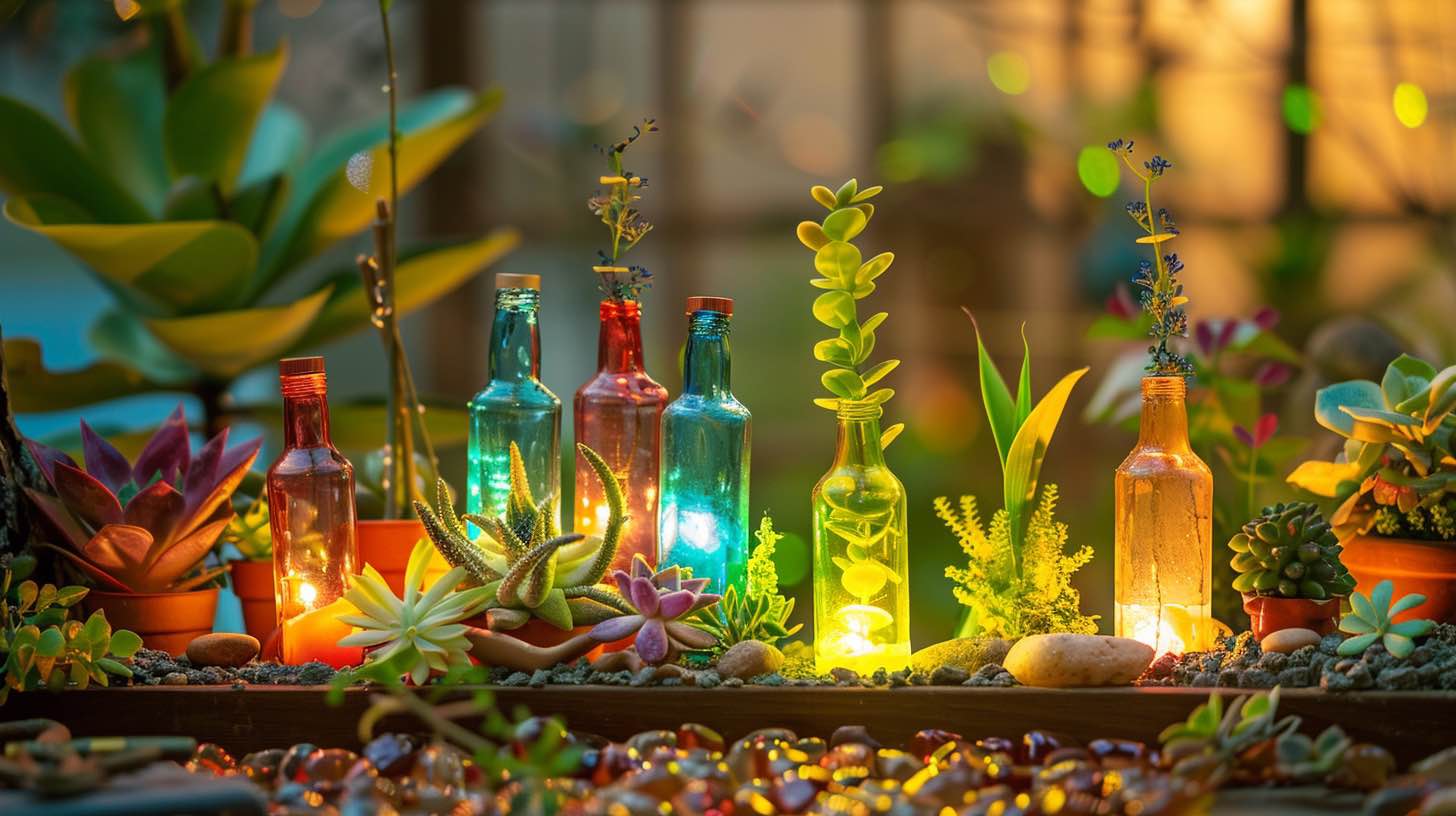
(861, 553)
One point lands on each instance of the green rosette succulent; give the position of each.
(1290, 551)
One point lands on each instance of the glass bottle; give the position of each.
(1164, 532)
(706, 433)
(861, 553)
(515, 405)
(618, 415)
(311, 514)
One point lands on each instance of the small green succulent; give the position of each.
(1289, 551)
(760, 613)
(1207, 744)
(1303, 759)
(249, 532)
(1370, 620)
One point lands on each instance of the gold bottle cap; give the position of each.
(705, 303)
(511, 280)
(296, 366)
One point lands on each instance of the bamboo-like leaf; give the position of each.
(116, 106)
(1028, 450)
(226, 344)
(211, 116)
(1023, 387)
(1000, 410)
(38, 158)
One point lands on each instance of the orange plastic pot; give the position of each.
(1426, 567)
(386, 546)
(166, 620)
(253, 584)
(1270, 613)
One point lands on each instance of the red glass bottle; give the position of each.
(619, 415)
(311, 514)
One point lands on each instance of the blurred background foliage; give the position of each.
(1313, 141)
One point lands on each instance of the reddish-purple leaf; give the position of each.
(675, 604)
(167, 452)
(57, 520)
(652, 642)
(690, 636)
(46, 458)
(1271, 374)
(669, 579)
(1203, 336)
(174, 562)
(95, 573)
(1226, 334)
(695, 584)
(1120, 303)
(644, 596)
(104, 461)
(122, 549)
(1264, 429)
(616, 628)
(1267, 318)
(157, 509)
(1244, 436)
(88, 498)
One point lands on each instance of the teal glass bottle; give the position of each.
(515, 405)
(706, 436)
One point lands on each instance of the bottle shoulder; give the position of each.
(529, 391)
(622, 386)
(318, 460)
(1149, 460)
(725, 407)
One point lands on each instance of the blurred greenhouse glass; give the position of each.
(1313, 138)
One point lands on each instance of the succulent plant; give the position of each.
(421, 633)
(1206, 745)
(659, 601)
(249, 532)
(528, 567)
(1303, 759)
(760, 613)
(143, 526)
(42, 645)
(1290, 551)
(1398, 455)
(1370, 619)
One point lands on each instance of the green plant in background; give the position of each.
(1017, 579)
(44, 646)
(1208, 743)
(1302, 759)
(249, 532)
(418, 634)
(761, 612)
(1290, 551)
(179, 164)
(1370, 620)
(616, 208)
(531, 570)
(848, 280)
(1009, 595)
(1397, 473)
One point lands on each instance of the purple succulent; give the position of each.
(142, 527)
(661, 599)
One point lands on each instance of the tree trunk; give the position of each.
(17, 472)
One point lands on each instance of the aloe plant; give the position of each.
(174, 164)
(1397, 472)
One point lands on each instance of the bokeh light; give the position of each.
(1098, 170)
(1009, 72)
(1301, 108)
(1410, 104)
(791, 559)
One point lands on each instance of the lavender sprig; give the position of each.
(624, 221)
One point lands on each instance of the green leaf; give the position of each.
(1410, 601)
(418, 282)
(847, 191)
(37, 389)
(868, 327)
(48, 593)
(878, 372)
(890, 434)
(843, 383)
(844, 225)
(554, 610)
(1112, 327)
(326, 207)
(154, 264)
(866, 194)
(833, 350)
(1000, 410)
(28, 592)
(225, 344)
(110, 666)
(827, 404)
(1356, 394)
(1028, 450)
(210, 117)
(1324, 478)
(38, 158)
(279, 145)
(116, 106)
(874, 267)
(119, 335)
(51, 644)
(97, 629)
(837, 261)
(834, 309)
(125, 643)
(1411, 628)
(71, 595)
(824, 196)
(880, 396)
(811, 235)
(1023, 385)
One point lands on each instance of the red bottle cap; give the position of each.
(296, 366)
(704, 303)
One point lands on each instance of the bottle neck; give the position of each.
(619, 347)
(859, 435)
(306, 420)
(515, 336)
(1164, 422)
(707, 369)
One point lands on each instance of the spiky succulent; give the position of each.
(420, 633)
(142, 527)
(760, 613)
(660, 601)
(1290, 551)
(527, 566)
(1371, 619)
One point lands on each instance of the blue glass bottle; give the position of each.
(515, 405)
(706, 434)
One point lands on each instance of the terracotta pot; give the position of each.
(1427, 567)
(1270, 613)
(253, 584)
(386, 545)
(166, 620)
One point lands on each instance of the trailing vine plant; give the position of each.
(1162, 296)
(848, 280)
(616, 208)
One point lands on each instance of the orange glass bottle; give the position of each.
(311, 513)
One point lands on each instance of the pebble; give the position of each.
(175, 679)
(844, 677)
(967, 654)
(949, 676)
(1289, 640)
(225, 649)
(750, 658)
(1067, 660)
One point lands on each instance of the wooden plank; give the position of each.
(1411, 724)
